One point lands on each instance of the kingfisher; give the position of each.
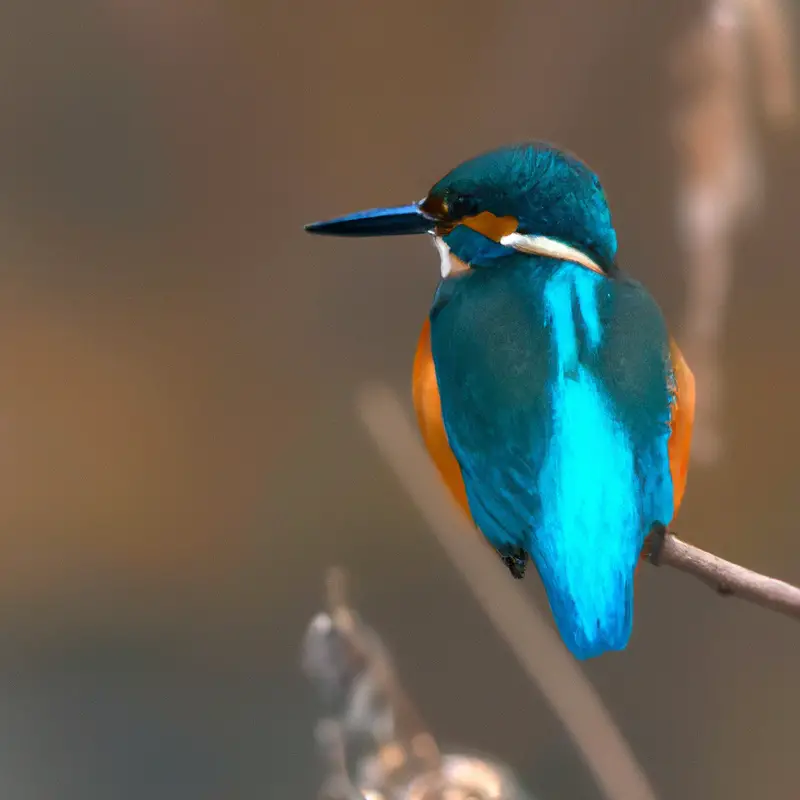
(553, 400)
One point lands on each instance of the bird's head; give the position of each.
(530, 198)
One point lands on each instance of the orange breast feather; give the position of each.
(681, 425)
(429, 417)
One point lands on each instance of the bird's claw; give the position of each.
(516, 561)
(654, 543)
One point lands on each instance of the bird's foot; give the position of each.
(654, 543)
(516, 560)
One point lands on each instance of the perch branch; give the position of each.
(663, 548)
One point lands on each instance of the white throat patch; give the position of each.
(534, 245)
(449, 262)
(545, 246)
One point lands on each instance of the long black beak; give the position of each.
(396, 221)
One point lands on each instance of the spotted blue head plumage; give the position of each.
(549, 191)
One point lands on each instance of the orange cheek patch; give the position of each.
(490, 226)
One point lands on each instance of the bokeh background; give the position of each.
(179, 455)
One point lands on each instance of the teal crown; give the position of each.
(550, 192)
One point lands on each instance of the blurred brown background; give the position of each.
(179, 455)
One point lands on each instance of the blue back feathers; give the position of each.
(554, 384)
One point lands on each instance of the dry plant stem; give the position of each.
(411, 728)
(665, 549)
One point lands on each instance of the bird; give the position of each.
(553, 400)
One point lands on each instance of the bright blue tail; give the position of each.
(589, 533)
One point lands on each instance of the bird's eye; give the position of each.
(461, 206)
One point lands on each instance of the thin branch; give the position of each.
(665, 549)
(529, 636)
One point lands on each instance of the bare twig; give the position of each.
(726, 578)
(539, 651)
(541, 655)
